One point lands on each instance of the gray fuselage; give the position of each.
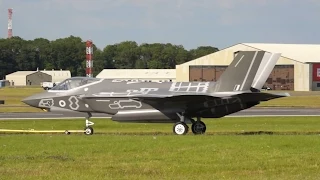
(114, 97)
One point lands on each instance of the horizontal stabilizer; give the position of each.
(259, 96)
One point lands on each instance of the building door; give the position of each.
(205, 73)
(281, 78)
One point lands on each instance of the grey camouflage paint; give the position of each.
(137, 101)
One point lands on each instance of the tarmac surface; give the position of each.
(253, 112)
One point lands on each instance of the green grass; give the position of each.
(293, 101)
(159, 157)
(307, 99)
(226, 125)
(13, 97)
(138, 151)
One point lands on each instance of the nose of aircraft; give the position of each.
(31, 101)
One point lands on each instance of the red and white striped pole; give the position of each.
(89, 56)
(10, 23)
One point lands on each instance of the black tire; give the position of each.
(198, 127)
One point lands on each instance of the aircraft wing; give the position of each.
(160, 97)
(194, 102)
(217, 99)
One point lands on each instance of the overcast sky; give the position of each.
(190, 23)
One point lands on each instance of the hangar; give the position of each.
(58, 75)
(24, 78)
(139, 74)
(27, 78)
(297, 69)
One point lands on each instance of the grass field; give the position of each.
(13, 97)
(286, 147)
(150, 151)
(226, 125)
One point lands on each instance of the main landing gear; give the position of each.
(88, 130)
(181, 128)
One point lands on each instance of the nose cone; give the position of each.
(42, 100)
(31, 101)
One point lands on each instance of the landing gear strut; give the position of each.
(181, 128)
(88, 130)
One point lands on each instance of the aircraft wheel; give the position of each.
(198, 127)
(88, 130)
(180, 128)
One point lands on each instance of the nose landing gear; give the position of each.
(88, 130)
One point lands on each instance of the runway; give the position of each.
(253, 112)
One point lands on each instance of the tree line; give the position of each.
(17, 54)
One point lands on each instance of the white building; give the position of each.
(25, 78)
(58, 75)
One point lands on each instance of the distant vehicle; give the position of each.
(266, 88)
(48, 85)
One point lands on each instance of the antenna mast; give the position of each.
(89, 55)
(9, 22)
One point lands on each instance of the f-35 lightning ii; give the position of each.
(180, 103)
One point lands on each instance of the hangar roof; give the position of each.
(21, 73)
(137, 74)
(300, 52)
(65, 73)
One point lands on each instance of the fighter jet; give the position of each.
(180, 103)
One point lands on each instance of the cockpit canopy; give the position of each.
(74, 82)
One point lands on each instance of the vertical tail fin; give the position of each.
(249, 69)
(267, 64)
